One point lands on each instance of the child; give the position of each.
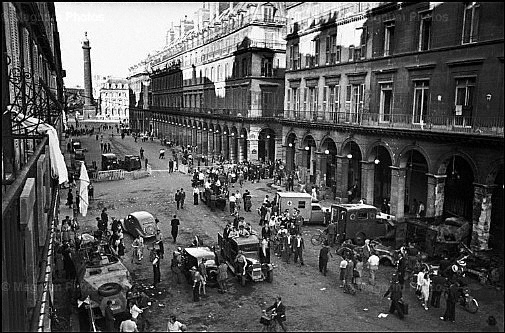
(343, 266)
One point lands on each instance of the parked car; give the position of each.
(256, 271)
(192, 256)
(109, 162)
(140, 223)
(319, 215)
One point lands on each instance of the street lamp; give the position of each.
(307, 147)
(349, 156)
(327, 152)
(290, 144)
(376, 161)
(268, 136)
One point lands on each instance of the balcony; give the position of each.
(491, 126)
(224, 113)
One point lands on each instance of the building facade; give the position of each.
(219, 85)
(32, 78)
(114, 100)
(403, 100)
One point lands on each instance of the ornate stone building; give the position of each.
(114, 100)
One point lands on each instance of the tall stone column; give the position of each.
(319, 176)
(280, 152)
(205, 142)
(241, 149)
(435, 197)
(88, 87)
(253, 149)
(397, 192)
(226, 147)
(199, 141)
(233, 145)
(367, 181)
(218, 150)
(481, 216)
(210, 148)
(341, 176)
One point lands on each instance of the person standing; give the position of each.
(70, 198)
(159, 241)
(232, 203)
(109, 317)
(105, 218)
(197, 280)
(359, 269)
(425, 290)
(222, 276)
(450, 303)
(175, 227)
(280, 312)
(178, 199)
(91, 191)
(183, 197)
(401, 267)
(203, 273)
(135, 311)
(175, 326)
(299, 246)
(331, 231)
(146, 161)
(288, 246)
(343, 266)
(373, 266)
(395, 290)
(128, 325)
(141, 153)
(156, 268)
(196, 193)
(438, 283)
(323, 258)
(170, 166)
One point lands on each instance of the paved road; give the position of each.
(314, 302)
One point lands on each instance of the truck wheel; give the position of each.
(270, 276)
(109, 289)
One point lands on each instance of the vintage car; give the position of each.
(319, 215)
(192, 257)
(101, 276)
(109, 162)
(140, 223)
(250, 246)
(131, 163)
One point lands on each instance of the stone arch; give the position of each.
(243, 151)
(443, 162)
(308, 167)
(266, 144)
(371, 150)
(328, 165)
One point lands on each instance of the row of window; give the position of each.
(115, 94)
(333, 51)
(307, 99)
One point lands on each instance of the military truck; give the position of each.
(101, 276)
(256, 271)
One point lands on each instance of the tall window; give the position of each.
(305, 92)
(364, 37)
(296, 97)
(331, 102)
(268, 13)
(421, 98)
(288, 101)
(389, 34)
(351, 53)
(295, 56)
(266, 67)
(425, 32)
(470, 23)
(465, 89)
(332, 50)
(317, 50)
(386, 102)
(312, 100)
(354, 102)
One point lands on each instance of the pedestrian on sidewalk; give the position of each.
(183, 197)
(450, 303)
(159, 241)
(222, 276)
(373, 266)
(108, 147)
(91, 191)
(298, 247)
(145, 161)
(175, 227)
(141, 153)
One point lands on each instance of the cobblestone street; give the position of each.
(314, 302)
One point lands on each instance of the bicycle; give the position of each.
(318, 238)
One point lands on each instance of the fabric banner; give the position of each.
(83, 190)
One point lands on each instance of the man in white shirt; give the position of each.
(135, 310)
(128, 325)
(373, 265)
(233, 200)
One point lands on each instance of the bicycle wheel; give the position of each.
(413, 282)
(316, 240)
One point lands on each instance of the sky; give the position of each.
(120, 34)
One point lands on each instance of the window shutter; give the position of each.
(325, 96)
(475, 28)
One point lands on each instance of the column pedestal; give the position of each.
(253, 150)
(341, 177)
(435, 197)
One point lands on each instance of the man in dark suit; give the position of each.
(395, 290)
(280, 312)
(109, 317)
(298, 247)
